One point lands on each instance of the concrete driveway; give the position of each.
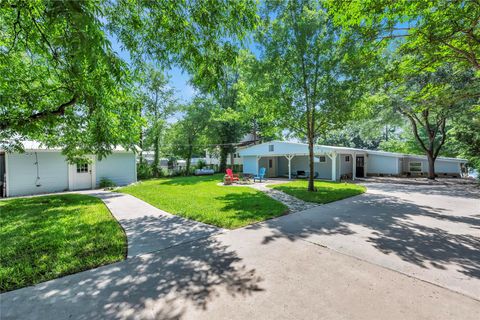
(397, 252)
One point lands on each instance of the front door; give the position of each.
(272, 168)
(82, 175)
(360, 164)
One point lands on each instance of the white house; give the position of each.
(42, 170)
(287, 159)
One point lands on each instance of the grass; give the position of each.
(202, 199)
(47, 237)
(326, 191)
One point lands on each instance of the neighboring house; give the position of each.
(333, 163)
(245, 142)
(43, 170)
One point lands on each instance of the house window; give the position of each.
(270, 163)
(82, 167)
(270, 148)
(415, 166)
(347, 158)
(322, 159)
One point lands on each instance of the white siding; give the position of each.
(22, 173)
(118, 167)
(250, 165)
(447, 167)
(378, 164)
(346, 167)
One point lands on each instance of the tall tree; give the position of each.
(438, 32)
(64, 85)
(429, 100)
(306, 66)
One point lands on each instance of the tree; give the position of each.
(306, 69)
(227, 127)
(429, 100)
(187, 134)
(158, 103)
(64, 85)
(437, 32)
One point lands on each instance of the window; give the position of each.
(270, 148)
(322, 159)
(347, 158)
(415, 167)
(82, 167)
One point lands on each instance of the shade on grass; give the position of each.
(43, 238)
(326, 191)
(202, 199)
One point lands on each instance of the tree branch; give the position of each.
(59, 111)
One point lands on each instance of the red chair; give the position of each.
(232, 176)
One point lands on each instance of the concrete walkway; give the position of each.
(396, 252)
(150, 229)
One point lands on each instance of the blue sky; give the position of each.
(179, 79)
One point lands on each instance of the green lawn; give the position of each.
(326, 191)
(201, 199)
(43, 238)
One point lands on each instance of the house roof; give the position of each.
(281, 148)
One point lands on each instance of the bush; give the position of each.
(107, 183)
(144, 171)
(201, 164)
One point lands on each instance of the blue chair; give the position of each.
(261, 175)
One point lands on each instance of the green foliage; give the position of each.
(438, 32)
(158, 102)
(325, 192)
(106, 183)
(64, 85)
(202, 199)
(200, 164)
(144, 171)
(187, 136)
(308, 70)
(48, 237)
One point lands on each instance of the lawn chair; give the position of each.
(261, 175)
(233, 177)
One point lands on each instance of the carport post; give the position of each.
(354, 165)
(334, 166)
(289, 158)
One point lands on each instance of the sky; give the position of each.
(179, 80)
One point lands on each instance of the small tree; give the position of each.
(158, 102)
(187, 135)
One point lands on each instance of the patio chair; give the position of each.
(261, 175)
(233, 176)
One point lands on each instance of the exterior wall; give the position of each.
(118, 167)
(447, 167)
(441, 166)
(250, 165)
(346, 167)
(22, 173)
(378, 164)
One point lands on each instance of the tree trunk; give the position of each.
(156, 156)
(311, 164)
(189, 160)
(223, 159)
(431, 166)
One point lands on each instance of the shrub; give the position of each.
(144, 171)
(107, 183)
(201, 164)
